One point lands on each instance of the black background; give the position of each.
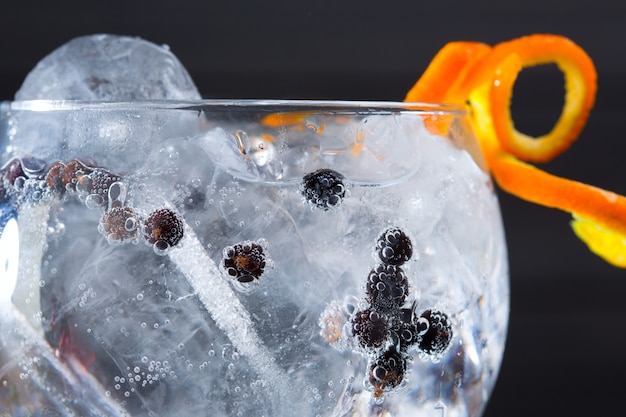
(566, 340)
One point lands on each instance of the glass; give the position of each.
(240, 258)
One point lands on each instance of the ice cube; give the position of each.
(99, 67)
(110, 68)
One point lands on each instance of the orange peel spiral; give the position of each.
(482, 78)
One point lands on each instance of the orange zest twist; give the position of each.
(482, 77)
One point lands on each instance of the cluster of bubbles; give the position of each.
(323, 189)
(23, 181)
(31, 180)
(383, 328)
(246, 261)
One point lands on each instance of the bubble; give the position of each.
(19, 182)
(160, 247)
(314, 126)
(140, 297)
(130, 224)
(422, 326)
(94, 201)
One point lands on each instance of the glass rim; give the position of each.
(260, 105)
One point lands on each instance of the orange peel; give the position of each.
(580, 91)
(284, 119)
(445, 72)
(484, 82)
(447, 68)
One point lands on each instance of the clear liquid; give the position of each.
(104, 325)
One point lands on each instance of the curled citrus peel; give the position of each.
(484, 81)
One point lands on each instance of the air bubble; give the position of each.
(314, 126)
(94, 201)
(422, 326)
(117, 194)
(130, 224)
(160, 247)
(139, 297)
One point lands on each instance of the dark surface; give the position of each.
(565, 352)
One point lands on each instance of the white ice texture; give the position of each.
(108, 68)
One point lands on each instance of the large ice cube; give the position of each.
(106, 68)
(111, 68)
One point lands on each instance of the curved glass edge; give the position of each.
(343, 106)
(462, 135)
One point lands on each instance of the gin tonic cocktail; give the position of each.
(247, 258)
(163, 255)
